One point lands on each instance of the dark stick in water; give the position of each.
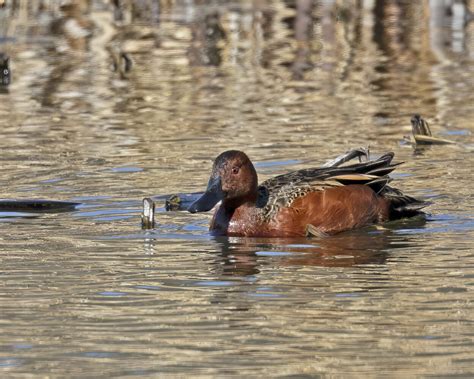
(36, 205)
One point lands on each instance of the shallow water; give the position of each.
(88, 293)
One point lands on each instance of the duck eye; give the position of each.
(235, 170)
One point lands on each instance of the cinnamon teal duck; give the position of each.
(308, 202)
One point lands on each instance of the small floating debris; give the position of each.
(36, 205)
(148, 213)
(5, 72)
(181, 201)
(121, 62)
(173, 203)
(422, 133)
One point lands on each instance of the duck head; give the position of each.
(233, 181)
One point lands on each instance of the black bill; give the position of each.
(210, 198)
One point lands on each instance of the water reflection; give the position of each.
(328, 44)
(207, 39)
(292, 83)
(370, 246)
(303, 24)
(73, 27)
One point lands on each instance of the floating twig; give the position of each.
(422, 133)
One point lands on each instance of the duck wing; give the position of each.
(281, 190)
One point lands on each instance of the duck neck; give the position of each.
(248, 201)
(230, 209)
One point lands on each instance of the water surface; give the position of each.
(293, 83)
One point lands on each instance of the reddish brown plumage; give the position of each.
(296, 201)
(330, 211)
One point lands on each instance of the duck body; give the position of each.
(309, 202)
(329, 211)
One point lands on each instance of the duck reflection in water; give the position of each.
(368, 246)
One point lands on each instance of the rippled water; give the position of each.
(88, 293)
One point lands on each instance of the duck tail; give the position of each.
(401, 205)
